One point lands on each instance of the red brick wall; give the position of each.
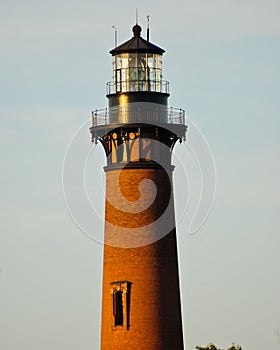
(155, 313)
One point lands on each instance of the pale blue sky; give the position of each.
(222, 61)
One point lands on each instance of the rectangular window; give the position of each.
(118, 307)
(120, 291)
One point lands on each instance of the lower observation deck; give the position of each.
(138, 114)
(141, 117)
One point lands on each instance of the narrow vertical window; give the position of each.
(121, 304)
(118, 308)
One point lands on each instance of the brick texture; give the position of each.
(155, 312)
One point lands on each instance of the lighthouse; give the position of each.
(141, 306)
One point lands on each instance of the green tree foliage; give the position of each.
(213, 347)
(234, 347)
(208, 347)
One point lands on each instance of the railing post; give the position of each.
(180, 116)
(95, 117)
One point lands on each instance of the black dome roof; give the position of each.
(137, 44)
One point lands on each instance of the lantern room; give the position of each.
(137, 67)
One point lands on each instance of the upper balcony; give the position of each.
(137, 85)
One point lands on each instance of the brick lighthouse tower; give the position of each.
(141, 297)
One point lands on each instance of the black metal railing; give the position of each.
(114, 87)
(123, 114)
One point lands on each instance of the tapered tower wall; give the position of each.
(153, 313)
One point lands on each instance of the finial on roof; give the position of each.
(137, 30)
